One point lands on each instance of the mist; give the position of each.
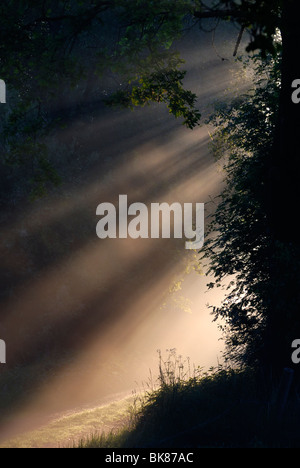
(83, 317)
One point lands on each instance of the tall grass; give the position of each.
(190, 409)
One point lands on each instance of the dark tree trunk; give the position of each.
(285, 175)
(283, 324)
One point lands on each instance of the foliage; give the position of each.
(55, 45)
(241, 244)
(219, 409)
(261, 19)
(163, 85)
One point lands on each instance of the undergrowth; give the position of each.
(223, 408)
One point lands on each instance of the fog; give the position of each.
(83, 318)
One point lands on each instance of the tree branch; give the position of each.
(222, 14)
(239, 40)
(88, 15)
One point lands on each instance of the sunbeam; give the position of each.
(88, 314)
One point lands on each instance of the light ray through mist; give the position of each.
(103, 308)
